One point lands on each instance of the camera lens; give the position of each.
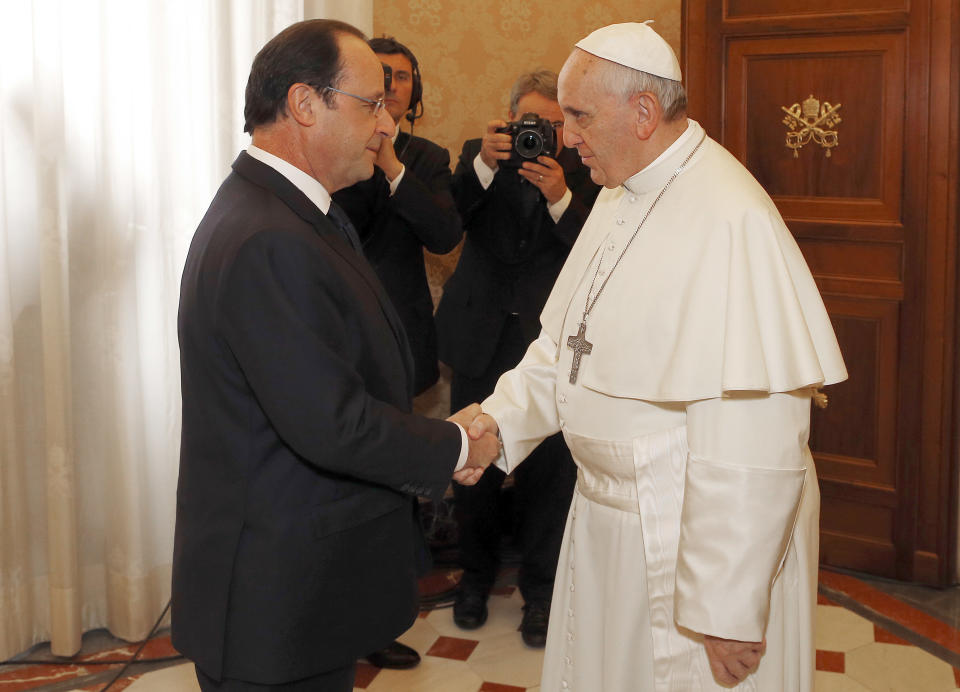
(529, 144)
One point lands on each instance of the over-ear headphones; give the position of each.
(391, 46)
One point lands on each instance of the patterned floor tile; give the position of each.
(364, 674)
(837, 682)
(902, 613)
(421, 636)
(432, 674)
(884, 637)
(899, 668)
(507, 660)
(453, 647)
(838, 629)
(830, 661)
(181, 678)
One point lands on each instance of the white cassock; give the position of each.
(697, 506)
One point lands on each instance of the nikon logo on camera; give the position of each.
(533, 136)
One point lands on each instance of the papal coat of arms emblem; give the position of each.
(811, 120)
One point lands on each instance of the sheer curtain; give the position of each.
(118, 120)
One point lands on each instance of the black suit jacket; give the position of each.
(295, 545)
(395, 230)
(512, 255)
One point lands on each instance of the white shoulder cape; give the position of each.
(713, 295)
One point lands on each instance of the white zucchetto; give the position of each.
(634, 45)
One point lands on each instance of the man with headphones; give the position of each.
(405, 207)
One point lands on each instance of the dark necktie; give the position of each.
(340, 218)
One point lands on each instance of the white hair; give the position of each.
(623, 81)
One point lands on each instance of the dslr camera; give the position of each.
(533, 136)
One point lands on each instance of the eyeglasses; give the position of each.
(376, 105)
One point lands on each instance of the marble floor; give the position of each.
(871, 636)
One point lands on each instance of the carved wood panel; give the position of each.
(861, 178)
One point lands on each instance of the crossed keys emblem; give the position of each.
(811, 120)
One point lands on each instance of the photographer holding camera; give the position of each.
(522, 198)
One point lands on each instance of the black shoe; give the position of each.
(470, 609)
(396, 655)
(533, 627)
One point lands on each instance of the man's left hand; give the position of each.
(547, 175)
(732, 661)
(387, 159)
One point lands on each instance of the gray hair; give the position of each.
(543, 82)
(623, 81)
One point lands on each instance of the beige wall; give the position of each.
(470, 51)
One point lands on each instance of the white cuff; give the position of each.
(484, 172)
(396, 181)
(734, 532)
(556, 210)
(464, 447)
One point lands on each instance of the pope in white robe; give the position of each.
(695, 516)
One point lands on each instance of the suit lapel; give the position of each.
(267, 177)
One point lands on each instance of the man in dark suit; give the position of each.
(404, 207)
(520, 225)
(295, 546)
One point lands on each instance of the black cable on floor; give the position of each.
(133, 660)
(136, 653)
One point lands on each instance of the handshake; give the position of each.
(484, 445)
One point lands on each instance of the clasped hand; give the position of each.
(732, 661)
(484, 445)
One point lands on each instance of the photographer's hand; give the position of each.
(495, 146)
(387, 159)
(547, 175)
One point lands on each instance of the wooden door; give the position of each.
(876, 218)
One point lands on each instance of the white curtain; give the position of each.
(118, 120)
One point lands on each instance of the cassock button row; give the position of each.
(562, 398)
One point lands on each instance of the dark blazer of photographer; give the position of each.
(511, 257)
(396, 228)
(295, 549)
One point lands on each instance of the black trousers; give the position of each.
(337, 680)
(543, 487)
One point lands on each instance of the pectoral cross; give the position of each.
(581, 347)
